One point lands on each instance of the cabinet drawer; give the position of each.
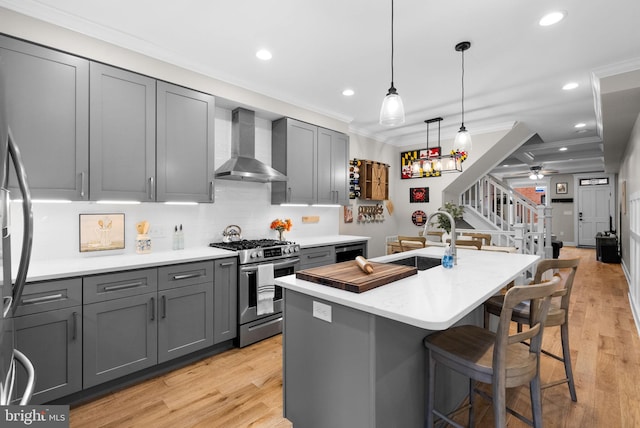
(46, 296)
(100, 288)
(320, 256)
(185, 274)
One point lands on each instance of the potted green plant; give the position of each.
(456, 212)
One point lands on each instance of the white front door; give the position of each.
(594, 212)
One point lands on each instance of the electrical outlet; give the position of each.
(157, 231)
(322, 311)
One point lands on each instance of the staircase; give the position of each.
(511, 218)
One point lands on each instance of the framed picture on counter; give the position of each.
(100, 232)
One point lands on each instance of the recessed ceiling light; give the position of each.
(505, 165)
(579, 125)
(348, 92)
(562, 149)
(552, 18)
(264, 55)
(569, 86)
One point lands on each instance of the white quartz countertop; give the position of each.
(41, 270)
(319, 241)
(89, 264)
(434, 299)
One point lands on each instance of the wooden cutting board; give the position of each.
(348, 276)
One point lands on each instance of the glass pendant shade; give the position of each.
(392, 110)
(462, 141)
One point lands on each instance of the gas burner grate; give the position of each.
(248, 244)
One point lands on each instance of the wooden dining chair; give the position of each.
(485, 238)
(558, 313)
(499, 359)
(475, 243)
(420, 239)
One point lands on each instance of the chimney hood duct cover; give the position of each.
(243, 165)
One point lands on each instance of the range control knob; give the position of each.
(254, 255)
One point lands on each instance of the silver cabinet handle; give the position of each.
(186, 276)
(153, 308)
(75, 326)
(164, 306)
(317, 256)
(211, 190)
(151, 188)
(227, 264)
(82, 175)
(123, 286)
(42, 299)
(288, 197)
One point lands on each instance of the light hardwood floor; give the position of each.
(243, 387)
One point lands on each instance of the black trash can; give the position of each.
(607, 248)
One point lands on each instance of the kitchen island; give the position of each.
(357, 360)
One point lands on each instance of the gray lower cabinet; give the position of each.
(185, 144)
(317, 256)
(48, 330)
(120, 324)
(225, 300)
(123, 134)
(48, 113)
(185, 309)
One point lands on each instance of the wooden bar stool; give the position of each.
(499, 359)
(558, 313)
(473, 243)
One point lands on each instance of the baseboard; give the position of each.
(635, 306)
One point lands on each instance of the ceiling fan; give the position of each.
(536, 172)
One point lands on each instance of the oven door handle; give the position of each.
(280, 265)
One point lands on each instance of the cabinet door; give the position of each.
(185, 144)
(294, 153)
(122, 139)
(333, 155)
(185, 320)
(119, 338)
(225, 300)
(48, 113)
(53, 343)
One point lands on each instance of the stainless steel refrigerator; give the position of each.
(10, 289)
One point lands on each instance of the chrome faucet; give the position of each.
(453, 232)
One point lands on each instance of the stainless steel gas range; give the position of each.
(252, 254)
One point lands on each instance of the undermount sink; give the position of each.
(420, 262)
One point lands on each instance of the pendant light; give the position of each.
(392, 111)
(462, 141)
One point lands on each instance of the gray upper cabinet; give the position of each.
(294, 148)
(314, 160)
(333, 154)
(48, 113)
(123, 137)
(185, 144)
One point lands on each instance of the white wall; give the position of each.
(630, 237)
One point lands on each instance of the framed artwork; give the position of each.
(561, 188)
(100, 232)
(418, 194)
(623, 197)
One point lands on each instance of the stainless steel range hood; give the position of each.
(243, 165)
